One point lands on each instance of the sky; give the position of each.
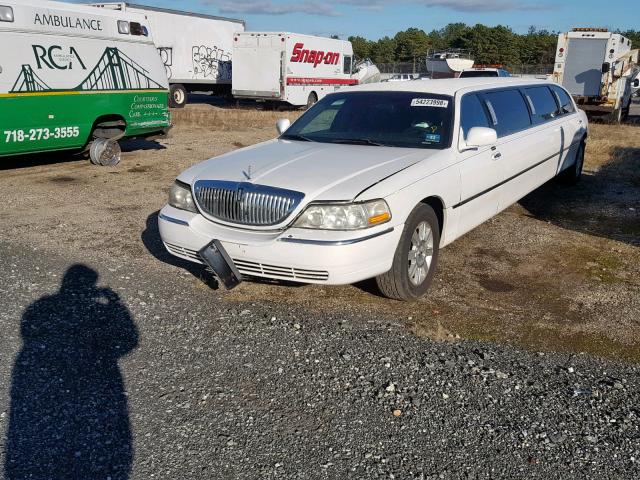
(373, 19)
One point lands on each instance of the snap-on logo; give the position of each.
(314, 56)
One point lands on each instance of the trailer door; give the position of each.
(582, 69)
(257, 66)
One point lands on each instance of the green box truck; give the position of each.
(76, 77)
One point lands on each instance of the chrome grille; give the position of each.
(245, 203)
(256, 269)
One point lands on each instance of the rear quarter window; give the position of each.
(543, 105)
(566, 104)
(508, 111)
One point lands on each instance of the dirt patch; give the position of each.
(139, 169)
(496, 285)
(63, 179)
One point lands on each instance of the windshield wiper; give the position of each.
(357, 141)
(296, 136)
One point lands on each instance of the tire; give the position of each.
(572, 175)
(177, 96)
(410, 279)
(312, 100)
(105, 152)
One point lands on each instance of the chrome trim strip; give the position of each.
(335, 243)
(162, 216)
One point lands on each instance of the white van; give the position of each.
(373, 180)
(73, 77)
(289, 67)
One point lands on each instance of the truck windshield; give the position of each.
(394, 119)
(479, 73)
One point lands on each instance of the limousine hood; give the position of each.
(321, 171)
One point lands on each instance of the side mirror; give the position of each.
(283, 125)
(636, 83)
(481, 137)
(606, 67)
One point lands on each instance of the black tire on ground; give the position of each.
(177, 96)
(312, 100)
(572, 175)
(397, 283)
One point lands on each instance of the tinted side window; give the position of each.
(509, 113)
(472, 114)
(347, 65)
(566, 105)
(543, 105)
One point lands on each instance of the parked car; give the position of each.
(373, 181)
(484, 72)
(74, 77)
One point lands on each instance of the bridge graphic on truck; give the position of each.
(114, 71)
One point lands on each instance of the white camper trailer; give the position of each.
(290, 67)
(195, 49)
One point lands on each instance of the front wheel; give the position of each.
(415, 259)
(177, 96)
(312, 100)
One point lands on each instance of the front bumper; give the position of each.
(299, 255)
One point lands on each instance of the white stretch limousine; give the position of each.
(373, 180)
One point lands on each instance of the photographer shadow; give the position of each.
(69, 415)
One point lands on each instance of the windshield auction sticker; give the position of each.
(429, 102)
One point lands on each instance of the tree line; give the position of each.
(488, 45)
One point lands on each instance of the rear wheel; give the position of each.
(572, 175)
(177, 96)
(105, 152)
(312, 100)
(415, 259)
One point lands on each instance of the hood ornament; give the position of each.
(247, 174)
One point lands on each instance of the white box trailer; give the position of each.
(290, 67)
(598, 68)
(196, 49)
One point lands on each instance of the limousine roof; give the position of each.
(446, 86)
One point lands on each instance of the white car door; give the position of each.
(481, 170)
(527, 147)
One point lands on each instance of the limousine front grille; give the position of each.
(245, 203)
(287, 273)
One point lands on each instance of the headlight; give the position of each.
(347, 216)
(180, 197)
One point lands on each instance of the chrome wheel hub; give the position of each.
(420, 253)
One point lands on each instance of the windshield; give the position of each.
(479, 73)
(394, 119)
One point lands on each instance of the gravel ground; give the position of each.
(150, 375)
(133, 367)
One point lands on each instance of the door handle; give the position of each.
(497, 156)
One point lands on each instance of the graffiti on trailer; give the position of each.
(211, 63)
(166, 54)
